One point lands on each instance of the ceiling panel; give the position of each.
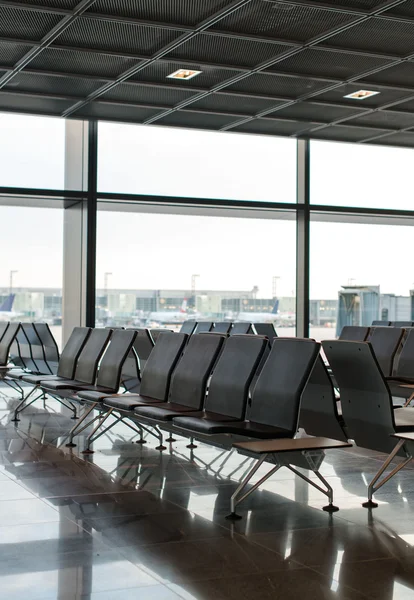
(86, 63)
(48, 84)
(274, 127)
(276, 85)
(237, 104)
(147, 95)
(183, 12)
(325, 63)
(197, 120)
(112, 35)
(10, 54)
(378, 35)
(158, 72)
(312, 111)
(230, 51)
(283, 21)
(26, 24)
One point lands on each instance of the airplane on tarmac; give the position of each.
(6, 312)
(170, 316)
(259, 317)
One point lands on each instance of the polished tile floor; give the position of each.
(129, 522)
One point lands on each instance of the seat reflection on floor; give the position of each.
(130, 521)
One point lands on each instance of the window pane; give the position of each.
(180, 162)
(361, 176)
(32, 151)
(158, 270)
(366, 280)
(31, 246)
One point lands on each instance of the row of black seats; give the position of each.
(229, 328)
(174, 391)
(394, 350)
(392, 324)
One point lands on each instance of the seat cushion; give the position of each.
(36, 379)
(94, 396)
(165, 411)
(404, 419)
(16, 374)
(61, 384)
(128, 401)
(205, 422)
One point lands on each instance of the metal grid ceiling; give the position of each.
(267, 66)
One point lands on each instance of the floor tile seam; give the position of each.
(343, 587)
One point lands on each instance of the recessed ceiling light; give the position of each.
(183, 74)
(361, 94)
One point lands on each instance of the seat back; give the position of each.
(203, 326)
(155, 333)
(37, 362)
(385, 342)
(401, 324)
(188, 327)
(71, 352)
(353, 333)
(3, 328)
(267, 329)
(381, 323)
(318, 413)
(110, 369)
(158, 370)
(91, 354)
(365, 396)
(20, 354)
(135, 362)
(233, 374)
(277, 395)
(404, 364)
(50, 347)
(223, 327)
(189, 380)
(7, 341)
(241, 329)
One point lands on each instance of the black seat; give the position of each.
(137, 358)
(381, 323)
(354, 333)
(367, 404)
(50, 346)
(203, 327)
(385, 342)
(188, 327)
(155, 333)
(87, 366)
(156, 375)
(403, 324)
(365, 396)
(6, 342)
(68, 359)
(241, 329)
(402, 378)
(223, 327)
(274, 408)
(189, 380)
(229, 385)
(319, 408)
(267, 329)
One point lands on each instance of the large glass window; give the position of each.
(361, 176)
(201, 164)
(359, 273)
(158, 269)
(32, 151)
(31, 246)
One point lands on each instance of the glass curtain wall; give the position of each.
(159, 269)
(170, 260)
(360, 267)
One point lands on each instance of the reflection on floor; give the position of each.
(129, 522)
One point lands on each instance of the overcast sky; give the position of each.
(163, 251)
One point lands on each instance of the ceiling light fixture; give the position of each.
(183, 74)
(361, 94)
